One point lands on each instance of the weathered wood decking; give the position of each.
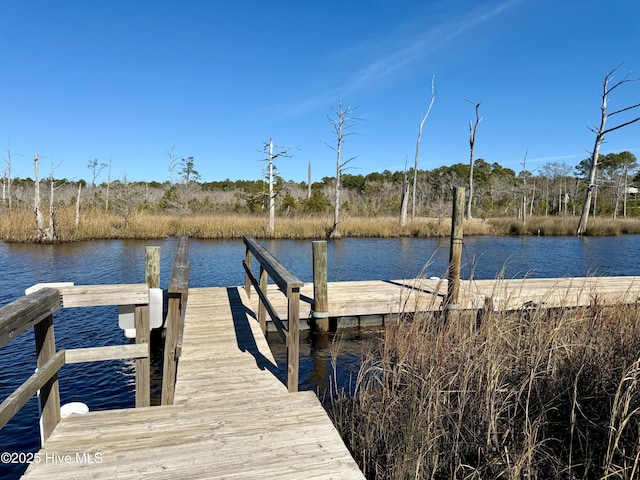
(232, 418)
(388, 297)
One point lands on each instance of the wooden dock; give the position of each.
(353, 301)
(231, 418)
(224, 413)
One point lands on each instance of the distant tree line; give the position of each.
(555, 188)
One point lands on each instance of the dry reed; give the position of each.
(19, 226)
(536, 394)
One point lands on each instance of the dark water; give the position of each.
(109, 385)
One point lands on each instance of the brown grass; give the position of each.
(546, 394)
(18, 226)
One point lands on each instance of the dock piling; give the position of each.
(320, 310)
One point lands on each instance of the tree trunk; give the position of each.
(600, 134)
(40, 233)
(473, 128)
(272, 203)
(415, 168)
(405, 199)
(78, 205)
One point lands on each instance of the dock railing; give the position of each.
(178, 292)
(290, 286)
(36, 310)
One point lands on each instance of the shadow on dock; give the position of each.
(244, 336)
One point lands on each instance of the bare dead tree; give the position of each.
(78, 204)
(43, 234)
(284, 152)
(96, 168)
(473, 128)
(524, 186)
(36, 201)
(173, 161)
(404, 197)
(106, 205)
(7, 180)
(415, 168)
(600, 132)
(342, 122)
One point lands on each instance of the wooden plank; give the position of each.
(143, 364)
(100, 354)
(14, 402)
(225, 358)
(22, 314)
(101, 295)
(179, 279)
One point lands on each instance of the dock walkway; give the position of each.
(231, 418)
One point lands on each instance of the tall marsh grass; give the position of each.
(536, 395)
(19, 226)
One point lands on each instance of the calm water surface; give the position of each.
(110, 385)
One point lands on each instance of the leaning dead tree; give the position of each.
(473, 128)
(404, 202)
(415, 167)
(284, 152)
(600, 134)
(341, 122)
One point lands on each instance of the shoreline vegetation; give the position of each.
(539, 393)
(95, 224)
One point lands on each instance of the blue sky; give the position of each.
(122, 81)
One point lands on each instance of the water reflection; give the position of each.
(219, 263)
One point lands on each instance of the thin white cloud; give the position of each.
(419, 45)
(392, 52)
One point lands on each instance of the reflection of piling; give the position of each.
(320, 311)
(455, 254)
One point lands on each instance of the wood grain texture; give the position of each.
(231, 417)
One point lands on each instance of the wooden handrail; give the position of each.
(22, 314)
(36, 310)
(178, 293)
(290, 286)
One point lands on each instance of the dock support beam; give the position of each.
(320, 312)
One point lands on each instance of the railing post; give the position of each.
(178, 292)
(320, 312)
(152, 267)
(143, 370)
(171, 339)
(262, 310)
(293, 339)
(49, 393)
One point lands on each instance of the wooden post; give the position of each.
(143, 369)
(171, 339)
(49, 393)
(320, 312)
(262, 310)
(455, 253)
(152, 267)
(293, 339)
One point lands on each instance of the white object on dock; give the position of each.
(126, 313)
(73, 407)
